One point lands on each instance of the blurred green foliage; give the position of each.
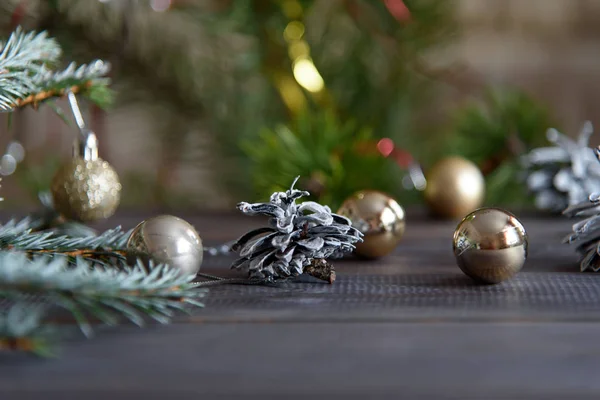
(334, 159)
(226, 67)
(493, 131)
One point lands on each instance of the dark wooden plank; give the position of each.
(407, 326)
(326, 360)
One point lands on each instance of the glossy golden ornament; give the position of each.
(490, 245)
(379, 217)
(168, 240)
(455, 186)
(86, 188)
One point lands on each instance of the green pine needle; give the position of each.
(18, 235)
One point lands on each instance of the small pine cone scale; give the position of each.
(297, 235)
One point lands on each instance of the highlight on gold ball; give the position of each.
(490, 245)
(379, 217)
(455, 186)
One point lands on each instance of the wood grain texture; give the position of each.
(406, 326)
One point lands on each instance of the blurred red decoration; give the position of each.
(161, 5)
(18, 14)
(385, 146)
(403, 158)
(398, 9)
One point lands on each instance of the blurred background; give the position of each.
(226, 100)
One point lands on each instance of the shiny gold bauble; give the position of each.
(455, 186)
(490, 245)
(85, 190)
(379, 217)
(168, 240)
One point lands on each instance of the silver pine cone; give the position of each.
(586, 233)
(563, 175)
(297, 235)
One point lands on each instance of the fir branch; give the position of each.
(27, 77)
(22, 57)
(107, 294)
(18, 235)
(22, 329)
(82, 79)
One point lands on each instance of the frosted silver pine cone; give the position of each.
(563, 175)
(298, 236)
(586, 233)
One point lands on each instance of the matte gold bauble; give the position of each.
(455, 186)
(490, 245)
(379, 217)
(168, 240)
(86, 190)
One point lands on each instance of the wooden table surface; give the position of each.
(407, 326)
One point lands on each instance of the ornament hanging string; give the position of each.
(77, 114)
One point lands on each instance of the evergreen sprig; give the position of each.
(28, 77)
(493, 131)
(107, 294)
(75, 274)
(18, 235)
(336, 156)
(22, 329)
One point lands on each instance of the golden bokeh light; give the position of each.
(307, 76)
(298, 49)
(293, 31)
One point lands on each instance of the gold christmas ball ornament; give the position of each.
(86, 188)
(455, 186)
(168, 240)
(490, 245)
(379, 217)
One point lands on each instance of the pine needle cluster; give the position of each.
(29, 74)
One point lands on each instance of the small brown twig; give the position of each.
(86, 253)
(35, 99)
(21, 344)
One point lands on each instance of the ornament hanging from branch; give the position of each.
(563, 175)
(86, 188)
